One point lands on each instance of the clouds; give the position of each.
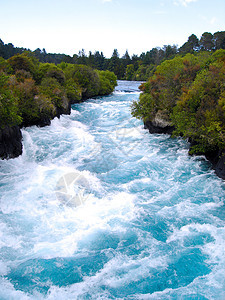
(105, 1)
(184, 2)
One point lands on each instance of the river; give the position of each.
(98, 208)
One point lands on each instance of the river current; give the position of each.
(98, 208)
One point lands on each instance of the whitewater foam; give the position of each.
(150, 224)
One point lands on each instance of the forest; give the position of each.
(187, 93)
(33, 93)
(135, 67)
(185, 87)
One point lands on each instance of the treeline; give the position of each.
(33, 93)
(187, 93)
(126, 67)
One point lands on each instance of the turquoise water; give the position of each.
(98, 208)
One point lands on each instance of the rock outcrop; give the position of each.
(159, 124)
(65, 108)
(10, 142)
(217, 159)
(220, 166)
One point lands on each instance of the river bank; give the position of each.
(185, 97)
(216, 158)
(34, 93)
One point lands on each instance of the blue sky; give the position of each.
(67, 26)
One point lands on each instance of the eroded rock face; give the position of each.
(220, 166)
(216, 158)
(65, 108)
(161, 119)
(11, 137)
(159, 124)
(10, 142)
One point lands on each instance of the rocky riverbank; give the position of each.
(10, 142)
(34, 93)
(216, 158)
(11, 137)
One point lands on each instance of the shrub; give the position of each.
(9, 110)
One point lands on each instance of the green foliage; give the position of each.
(130, 72)
(168, 81)
(85, 77)
(191, 45)
(83, 80)
(51, 71)
(144, 65)
(25, 91)
(46, 109)
(145, 108)
(31, 91)
(22, 62)
(9, 110)
(73, 91)
(192, 91)
(219, 55)
(5, 66)
(143, 73)
(52, 89)
(207, 41)
(200, 113)
(108, 81)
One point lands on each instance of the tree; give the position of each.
(2, 49)
(82, 57)
(22, 62)
(219, 40)
(191, 45)
(134, 61)
(99, 60)
(126, 59)
(115, 65)
(50, 70)
(169, 50)
(194, 42)
(115, 54)
(91, 61)
(107, 82)
(206, 41)
(130, 72)
(9, 110)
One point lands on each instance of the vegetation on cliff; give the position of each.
(33, 93)
(189, 92)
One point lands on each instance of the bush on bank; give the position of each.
(31, 92)
(190, 91)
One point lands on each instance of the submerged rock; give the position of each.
(10, 142)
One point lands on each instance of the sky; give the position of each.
(67, 26)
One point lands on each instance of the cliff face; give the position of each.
(220, 166)
(10, 142)
(65, 108)
(11, 137)
(160, 124)
(156, 128)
